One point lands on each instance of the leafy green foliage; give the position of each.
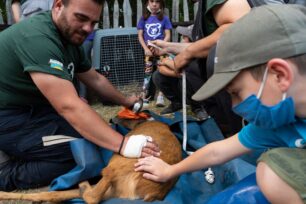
(3, 10)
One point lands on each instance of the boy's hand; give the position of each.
(156, 169)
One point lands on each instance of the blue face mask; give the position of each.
(269, 117)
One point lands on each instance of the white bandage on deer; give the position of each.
(135, 144)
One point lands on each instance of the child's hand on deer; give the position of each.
(155, 169)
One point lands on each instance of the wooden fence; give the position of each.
(112, 15)
(120, 13)
(6, 15)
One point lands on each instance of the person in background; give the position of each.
(22, 9)
(40, 110)
(185, 32)
(153, 25)
(171, 86)
(212, 19)
(265, 79)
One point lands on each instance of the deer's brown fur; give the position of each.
(119, 180)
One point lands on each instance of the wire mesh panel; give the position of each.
(119, 56)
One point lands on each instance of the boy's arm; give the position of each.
(212, 154)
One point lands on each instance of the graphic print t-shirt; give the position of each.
(153, 28)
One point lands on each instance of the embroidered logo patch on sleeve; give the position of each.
(54, 64)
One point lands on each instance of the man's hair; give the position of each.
(300, 61)
(100, 2)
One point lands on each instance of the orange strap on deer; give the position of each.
(126, 113)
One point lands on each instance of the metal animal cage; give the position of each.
(118, 55)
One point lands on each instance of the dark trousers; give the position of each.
(172, 87)
(218, 106)
(31, 164)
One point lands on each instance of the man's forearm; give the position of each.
(102, 86)
(106, 90)
(200, 48)
(63, 97)
(90, 125)
(176, 48)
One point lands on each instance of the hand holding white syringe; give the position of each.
(161, 49)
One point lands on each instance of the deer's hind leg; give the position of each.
(94, 195)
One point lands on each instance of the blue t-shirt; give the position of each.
(291, 135)
(153, 29)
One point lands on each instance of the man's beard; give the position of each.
(67, 32)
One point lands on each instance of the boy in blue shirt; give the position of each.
(263, 69)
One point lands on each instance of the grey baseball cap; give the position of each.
(185, 30)
(271, 31)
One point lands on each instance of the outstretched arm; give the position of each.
(168, 47)
(212, 154)
(105, 89)
(224, 15)
(63, 97)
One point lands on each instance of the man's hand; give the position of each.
(166, 67)
(136, 146)
(163, 47)
(181, 60)
(130, 101)
(167, 47)
(178, 63)
(151, 149)
(155, 169)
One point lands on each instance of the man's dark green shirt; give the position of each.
(209, 19)
(35, 45)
